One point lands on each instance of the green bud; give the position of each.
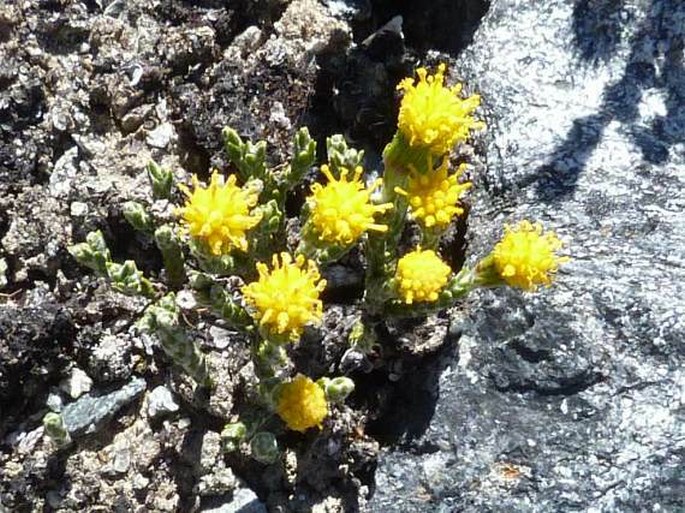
(264, 447)
(357, 333)
(304, 155)
(250, 159)
(232, 435)
(93, 253)
(137, 216)
(339, 155)
(127, 279)
(337, 389)
(172, 254)
(53, 423)
(161, 180)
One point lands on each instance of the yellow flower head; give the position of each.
(286, 298)
(341, 211)
(302, 404)
(421, 276)
(220, 214)
(434, 197)
(434, 116)
(526, 257)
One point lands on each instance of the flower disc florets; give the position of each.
(302, 404)
(286, 298)
(421, 276)
(220, 215)
(433, 116)
(342, 210)
(434, 197)
(526, 257)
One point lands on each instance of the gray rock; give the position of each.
(64, 173)
(220, 337)
(569, 399)
(161, 136)
(161, 402)
(219, 482)
(88, 413)
(210, 451)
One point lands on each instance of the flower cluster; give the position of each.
(526, 257)
(261, 273)
(421, 276)
(342, 210)
(301, 404)
(434, 197)
(221, 214)
(433, 116)
(286, 298)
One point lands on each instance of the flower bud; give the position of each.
(304, 155)
(172, 254)
(161, 180)
(137, 216)
(93, 253)
(337, 389)
(232, 435)
(340, 156)
(264, 447)
(53, 423)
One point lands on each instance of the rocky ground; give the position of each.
(572, 399)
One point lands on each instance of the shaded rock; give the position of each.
(446, 25)
(35, 345)
(244, 90)
(24, 151)
(568, 399)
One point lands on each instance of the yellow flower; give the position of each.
(341, 211)
(302, 404)
(421, 276)
(434, 197)
(220, 214)
(433, 116)
(526, 257)
(286, 298)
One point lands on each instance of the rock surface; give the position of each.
(571, 399)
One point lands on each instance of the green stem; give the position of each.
(381, 248)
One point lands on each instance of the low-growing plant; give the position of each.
(235, 226)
